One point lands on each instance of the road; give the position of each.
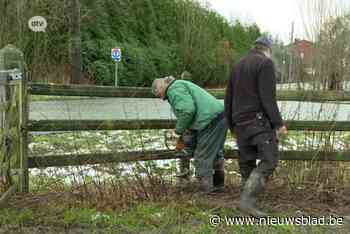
(137, 108)
(101, 108)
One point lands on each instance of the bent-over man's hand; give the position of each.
(281, 132)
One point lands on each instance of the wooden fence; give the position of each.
(18, 152)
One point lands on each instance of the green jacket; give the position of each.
(193, 107)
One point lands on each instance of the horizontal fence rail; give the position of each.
(87, 125)
(98, 158)
(136, 124)
(134, 92)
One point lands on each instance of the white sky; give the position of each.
(273, 16)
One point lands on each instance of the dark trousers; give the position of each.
(256, 140)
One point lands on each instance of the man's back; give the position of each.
(252, 89)
(252, 114)
(185, 96)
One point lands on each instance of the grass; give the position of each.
(174, 215)
(106, 141)
(142, 200)
(97, 141)
(112, 141)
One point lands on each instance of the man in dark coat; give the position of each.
(252, 113)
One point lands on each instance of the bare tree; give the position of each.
(326, 23)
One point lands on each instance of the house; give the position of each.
(304, 50)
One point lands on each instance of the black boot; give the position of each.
(219, 176)
(254, 185)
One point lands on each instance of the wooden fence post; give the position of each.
(5, 178)
(10, 153)
(14, 161)
(23, 131)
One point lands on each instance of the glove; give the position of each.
(180, 145)
(281, 132)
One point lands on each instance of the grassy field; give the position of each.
(177, 211)
(146, 198)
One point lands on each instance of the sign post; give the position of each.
(116, 54)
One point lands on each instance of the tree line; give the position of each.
(157, 38)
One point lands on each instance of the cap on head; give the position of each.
(265, 41)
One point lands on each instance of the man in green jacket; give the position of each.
(202, 114)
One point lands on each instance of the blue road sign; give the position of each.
(116, 54)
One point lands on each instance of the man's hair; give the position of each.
(164, 82)
(169, 79)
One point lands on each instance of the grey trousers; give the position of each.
(208, 147)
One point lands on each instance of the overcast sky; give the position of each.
(274, 16)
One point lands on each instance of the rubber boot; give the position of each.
(184, 166)
(188, 149)
(241, 186)
(219, 176)
(206, 184)
(254, 185)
